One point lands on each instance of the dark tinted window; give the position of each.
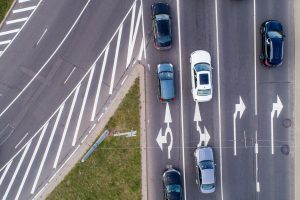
(203, 79)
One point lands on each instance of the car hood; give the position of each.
(167, 89)
(200, 56)
(204, 154)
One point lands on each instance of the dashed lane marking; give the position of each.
(9, 32)
(24, 9)
(16, 20)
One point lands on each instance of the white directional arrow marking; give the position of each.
(161, 139)
(168, 118)
(277, 107)
(239, 108)
(204, 137)
(197, 116)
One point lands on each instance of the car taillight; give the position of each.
(173, 99)
(161, 99)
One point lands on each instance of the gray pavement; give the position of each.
(297, 100)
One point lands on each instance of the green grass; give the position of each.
(114, 170)
(4, 6)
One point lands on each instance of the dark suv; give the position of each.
(161, 26)
(272, 43)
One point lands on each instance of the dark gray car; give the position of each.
(205, 167)
(165, 74)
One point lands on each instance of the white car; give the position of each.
(201, 76)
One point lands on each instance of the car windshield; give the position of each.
(206, 164)
(165, 75)
(173, 188)
(274, 34)
(204, 92)
(202, 67)
(203, 79)
(162, 17)
(207, 186)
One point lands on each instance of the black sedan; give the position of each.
(161, 26)
(272, 43)
(166, 90)
(172, 184)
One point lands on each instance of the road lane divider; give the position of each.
(256, 164)
(21, 140)
(5, 172)
(41, 36)
(69, 75)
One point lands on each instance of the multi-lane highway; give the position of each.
(63, 62)
(248, 120)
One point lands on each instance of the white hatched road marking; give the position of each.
(9, 32)
(16, 171)
(115, 61)
(4, 42)
(99, 84)
(31, 161)
(66, 126)
(22, 1)
(16, 20)
(24, 9)
(5, 172)
(45, 155)
(83, 105)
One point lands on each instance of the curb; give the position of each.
(7, 13)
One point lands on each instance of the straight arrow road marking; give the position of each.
(277, 107)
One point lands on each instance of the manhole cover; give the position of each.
(285, 149)
(287, 123)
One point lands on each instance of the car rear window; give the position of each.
(203, 79)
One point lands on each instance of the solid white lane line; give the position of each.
(46, 151)
(69, 75)
(31, 161)
(256, 164)
(21, 140)
(255, 76)
(219, 97)
(5, 172)
(143, 25)
(16, 20)
(83, 105)
(24, 9)
(16, 171)
(124, 79)
(141, 50)
(100, 117)
(66, 127)
(48, 60)
(41, 36)
(132, 38)
(82, 141)
(181, 99)
(9, 32)
(115, 61)
(4, 42)
(40, 191)
(99, 84)
(92, 128)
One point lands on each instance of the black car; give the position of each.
(172, 184)
(272, 43)
(161, 26)
(166, 89)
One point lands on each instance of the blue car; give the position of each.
(272, 43)
(165, 74)
(172, 184)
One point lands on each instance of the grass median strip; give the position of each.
(4, 7)
(113, 171)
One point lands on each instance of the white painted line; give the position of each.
(31, 161)
(66, 127)
(22, 1)
(132, 38)
(16, 171)
(257, 187)
(16, 20)
(219, 97)
(92, 128)
(100, 117)
(69, 75)
(5, 172)
(144, 38)
(64, 164)
(181, 99)
(255, 76)
(4, 42)
(115, 61)
(45, 153)
(245, 139)
(272, 132)
(83, 105)
(256, 164)
(82, 141)
(234, 133)
(21, 140)
(48, 60)
(24, 9)
(99, 84)
(40, 191)
(141, 51)
(41, 36)
(9, 32)
(124, 79)
(1, 52)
